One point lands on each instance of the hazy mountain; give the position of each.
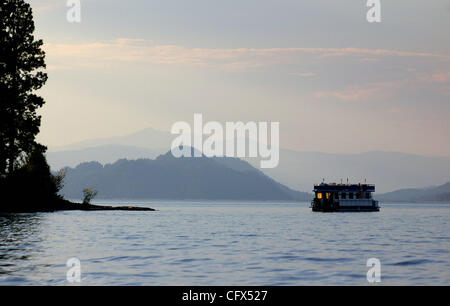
(104, 154)
(430, 194)
(147, 138)
(148, 143)
(388, 170)
(167, 177)
(297, 170)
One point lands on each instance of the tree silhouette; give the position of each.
(88, 195)
(21, 73)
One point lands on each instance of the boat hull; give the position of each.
(345, 206)
(346, 209)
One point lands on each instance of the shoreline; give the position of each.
(65, 205)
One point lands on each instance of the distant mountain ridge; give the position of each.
(297, 170)
(147, 138)
(167, 177)
(104, 154)
(430, 194)
(389, 171)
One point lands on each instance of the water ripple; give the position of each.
(228, 244)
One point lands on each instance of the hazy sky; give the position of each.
(335, 82)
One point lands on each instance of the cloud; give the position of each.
(383, 90)
(40, 6)
(303, 74)
(360, 93)
(442, 77)
(352, 94)
(142, 51)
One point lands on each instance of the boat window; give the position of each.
(319, 195)
(367, 195)
(343, 195)
(350, 195)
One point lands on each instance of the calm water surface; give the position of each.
(219, 243)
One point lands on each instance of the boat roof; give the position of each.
(344, 187)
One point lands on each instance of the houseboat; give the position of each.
(344, 198)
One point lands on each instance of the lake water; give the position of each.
(219, 243)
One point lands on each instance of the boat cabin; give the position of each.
(344, 197)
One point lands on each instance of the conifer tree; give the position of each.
(22, 72)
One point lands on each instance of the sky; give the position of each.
(335, 82)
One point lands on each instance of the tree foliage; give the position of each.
(88, 195)
(26, 183)
(31, 185)
(21, 74)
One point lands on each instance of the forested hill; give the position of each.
(167, 177)
(431, 194)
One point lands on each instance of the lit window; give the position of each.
(319, 195)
